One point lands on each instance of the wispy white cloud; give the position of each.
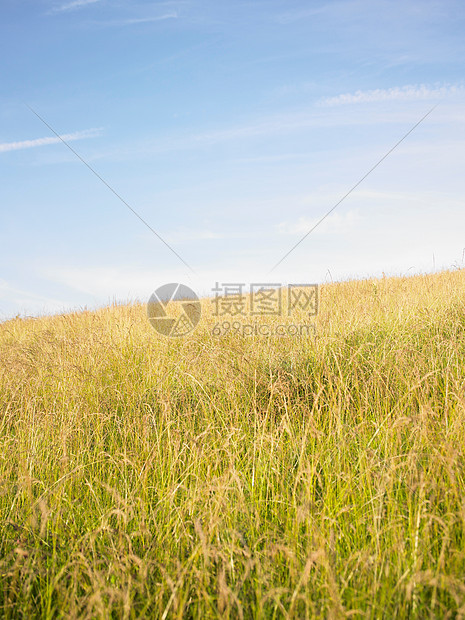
(76, 4)
(409, 92)
(183, 235)
(143, 20)
(29, 144)
(102, 283)
(15, 301)
(281, 125)
(292, 16)
(336, 222)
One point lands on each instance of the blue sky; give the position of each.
(231, 128)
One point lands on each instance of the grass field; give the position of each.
(238, 477)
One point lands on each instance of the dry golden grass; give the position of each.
(204, 477)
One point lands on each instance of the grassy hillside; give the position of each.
(268, 477)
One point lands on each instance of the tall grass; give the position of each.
(237, 477)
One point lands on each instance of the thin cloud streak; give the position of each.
(76, 4)
(410, 92)
(284, 124)
(35, 303)
(140, 20)
(184, 235)
(336, 222)
(288, 18)
(29, 144)
(315, 117)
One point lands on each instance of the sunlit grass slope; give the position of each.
(238, 477)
